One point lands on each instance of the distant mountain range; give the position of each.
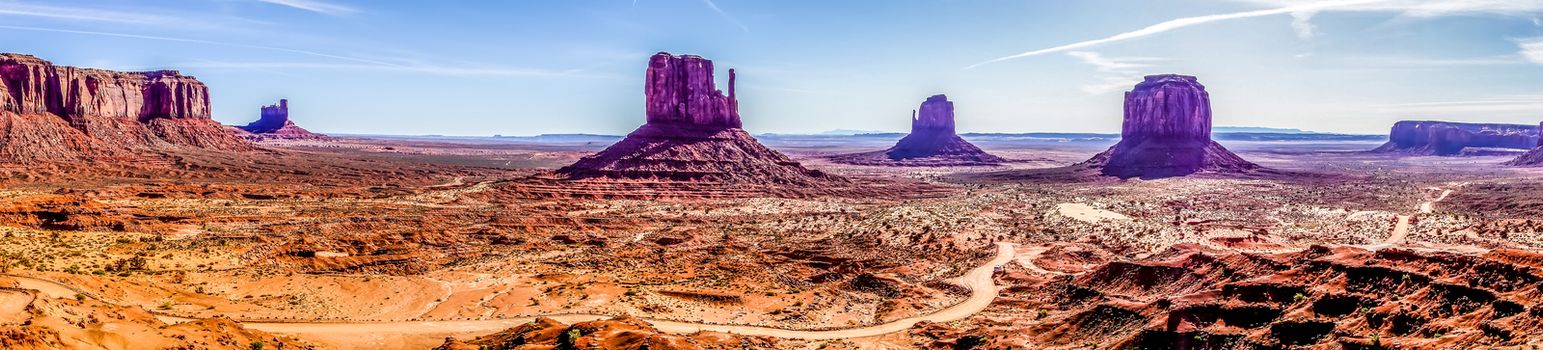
(1227, 133)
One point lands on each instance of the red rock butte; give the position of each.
(52, 113)
(692, 133)
(1533, 157)
(1167, 132)
(274, 123)
(932, 135)
(1449, 138)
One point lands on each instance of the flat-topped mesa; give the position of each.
(1167, 132)
(1168, 106)
(1532, 158)
(1450, 138)
(31, 85)
(692, 134)
(680, 90)
(58, 113)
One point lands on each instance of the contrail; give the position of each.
(207, 42)
(714, 6)
(1180, 23)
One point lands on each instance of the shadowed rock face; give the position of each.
(1167, 132)
(1533, 157)
(933, 135)
(275, 124)
(57, 113)
(1448, 138)
(692, 133)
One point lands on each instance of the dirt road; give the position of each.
(410, 334)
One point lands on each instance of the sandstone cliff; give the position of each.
(59, 113)
(1449, 138)
(1167, 132)
(692, 133)
(274, 123)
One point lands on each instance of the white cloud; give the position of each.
(1531, 49)
(714, 6)
(316, 6)
(1423, 8)
(1302, 23)
(79, 14)
(1501, 106)
(1115, 74)
(1181, 23)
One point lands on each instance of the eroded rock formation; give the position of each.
(1448, 138)
(274, 123)
(1533, 157)
(59, 113)
(1167, 132)
(932, 142)
(692, 133)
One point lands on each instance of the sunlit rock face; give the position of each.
(933, 135)
(54, 113)
(1533, 157)
(692, 133)
(1448, 138)
(681, 90)
(1167, 132)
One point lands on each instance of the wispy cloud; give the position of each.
(1177, 24)
(316, 6)
(1115, 74)
(198, 41)
(714, 6)
(1422, 8)
(458, 71)
(1531, 49)
(1501, 105)
(79, 14)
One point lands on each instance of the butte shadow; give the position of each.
(1166, 133)
(932, 142)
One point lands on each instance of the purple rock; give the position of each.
(1167, 132)
(933, 136)
(680, 90)
(1448, 138)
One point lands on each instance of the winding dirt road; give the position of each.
(983, 291)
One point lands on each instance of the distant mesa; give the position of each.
(1167, 132)
(52, 113)
(1449, 138)
(274, 123)
(1532, 158)
(933, 141)
(692, 133)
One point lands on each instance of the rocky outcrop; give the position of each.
(59, 113)
(274, 123)
(692, 133)
(1167, 132)
(1448, 138)
(932, 142)
(1533, 157)
(680, 90)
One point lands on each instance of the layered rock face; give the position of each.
(1448, 138)
(692, 133)
(274, 123)
(1167, 132)
(932, 142)
(51, 113)
(1533, 157)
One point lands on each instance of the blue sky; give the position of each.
(532, 67)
